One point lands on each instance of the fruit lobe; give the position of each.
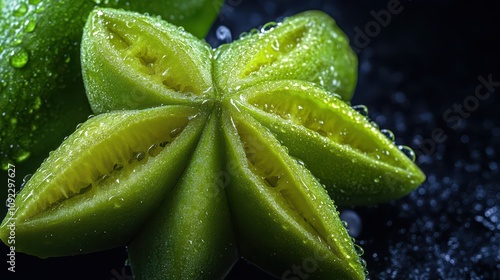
(353, 159)
(281, 214)
(97, 189)
(190, 237)
(308, 46)
(132, 61)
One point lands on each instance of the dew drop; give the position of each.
(389, 134)
(19, 59)
(374, 124)
(30, 26)
(25, 181)
(362, 109)
(268, 26)
(408, 152)
(359, 250)
(79, 125)
(90, 116)
(21, 10)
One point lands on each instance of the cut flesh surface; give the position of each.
(117, 150)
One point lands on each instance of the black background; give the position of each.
(423, 63)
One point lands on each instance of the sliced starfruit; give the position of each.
(133, 61)
(308, 46)
(351, 157)
(97, 189)
(190, 237)
(283, 217)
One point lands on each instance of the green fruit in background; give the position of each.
(41, 92)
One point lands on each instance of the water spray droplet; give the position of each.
(362, 109)
(19, 59)
(389, 134)
(408, 152)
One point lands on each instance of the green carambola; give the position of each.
(41, 91)
(270, 139)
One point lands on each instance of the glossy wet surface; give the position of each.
(418, 76)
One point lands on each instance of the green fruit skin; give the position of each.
(136, 65)
(190, 237)
(108, 216)
(308, 46)
(350, 176)
(267, 235)
(196, 16)
(38, 100)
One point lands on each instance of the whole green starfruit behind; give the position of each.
(42, 96)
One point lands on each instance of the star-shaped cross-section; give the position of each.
(198, 156)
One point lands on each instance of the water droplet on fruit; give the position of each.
(359, 250)
(30, 26)
(362, 109)
(117, 167)
(21, 10)
(268, 26)
(389, 134)
(25, 181)
(408, 152)
(19, 59)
